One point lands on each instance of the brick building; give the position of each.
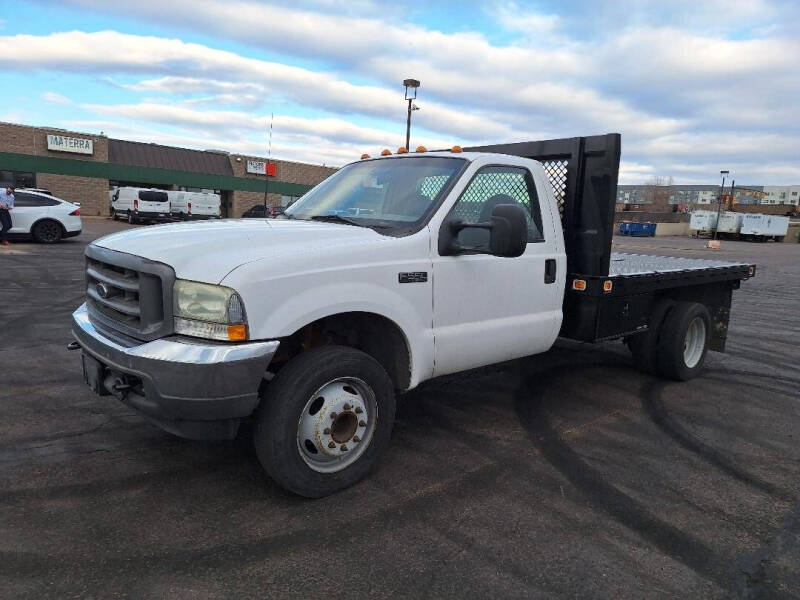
(82, 167)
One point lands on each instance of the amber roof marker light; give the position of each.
(411, 94)
(386, 152)
(364, 156)
(456, 148)
(421, 149)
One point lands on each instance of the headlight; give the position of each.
(209, 311)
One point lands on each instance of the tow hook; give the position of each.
(117, 385)
(73, 346)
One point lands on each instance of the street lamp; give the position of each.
(719, 201)
(411, 87)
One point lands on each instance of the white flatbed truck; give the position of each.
(392, 271)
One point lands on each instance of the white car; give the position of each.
(44, 217)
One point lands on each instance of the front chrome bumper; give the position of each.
(189, 387)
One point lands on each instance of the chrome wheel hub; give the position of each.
(336, 425)
(694, 342)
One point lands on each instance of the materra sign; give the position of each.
(62, 143)
(261, 167)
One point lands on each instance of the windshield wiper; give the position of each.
(336, 219)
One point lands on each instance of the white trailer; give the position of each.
(729, 224)
(703, 222)
(764, 227)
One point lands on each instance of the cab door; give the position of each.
(488, 309)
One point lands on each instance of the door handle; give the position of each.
(550, 270)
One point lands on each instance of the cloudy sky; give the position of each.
(693, 86)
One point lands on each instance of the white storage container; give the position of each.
(764, 226)
(729, 222)
(703, 221)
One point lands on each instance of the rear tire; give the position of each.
(131, 220)
(114, 215)
(47, 232)
(324, 420)
(643, 346)
(683, 341)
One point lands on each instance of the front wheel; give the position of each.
(324, 420)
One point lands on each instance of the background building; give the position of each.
(82, 167)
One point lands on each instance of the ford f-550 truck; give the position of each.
(392, 271)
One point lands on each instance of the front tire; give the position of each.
(324, 420)
(683, 341)
(47, 232)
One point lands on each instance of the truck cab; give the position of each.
(392, 271)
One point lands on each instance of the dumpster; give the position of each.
(624, 227)
(641, 229)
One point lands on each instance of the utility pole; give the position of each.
(269, 159)
(719, 201)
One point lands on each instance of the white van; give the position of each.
(140, 204)
(195, 205)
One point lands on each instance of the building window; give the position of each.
(18, 179)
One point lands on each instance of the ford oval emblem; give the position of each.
(102, 290)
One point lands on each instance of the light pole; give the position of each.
(411, 84)
(719, 201)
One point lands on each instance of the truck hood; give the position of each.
(208, 250)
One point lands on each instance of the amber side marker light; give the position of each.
(607, 285)
(578, 285)
(386, 152)
(365, 155)
(237, 333)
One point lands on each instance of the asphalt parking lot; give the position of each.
(569, 474)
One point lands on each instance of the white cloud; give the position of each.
(55, 98)
(683, 92)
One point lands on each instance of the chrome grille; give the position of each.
(115, 291)
(128, 294)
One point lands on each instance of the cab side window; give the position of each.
(490, 187)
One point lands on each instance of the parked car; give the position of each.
(140, 204)
(43, 217)
(259, 211)
(311, 325)
(194, 205)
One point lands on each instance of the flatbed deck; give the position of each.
(623, 264)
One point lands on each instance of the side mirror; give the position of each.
(508, 233)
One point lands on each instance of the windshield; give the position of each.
(385, 194)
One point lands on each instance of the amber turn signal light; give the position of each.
(237, 333)
(578, 285)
